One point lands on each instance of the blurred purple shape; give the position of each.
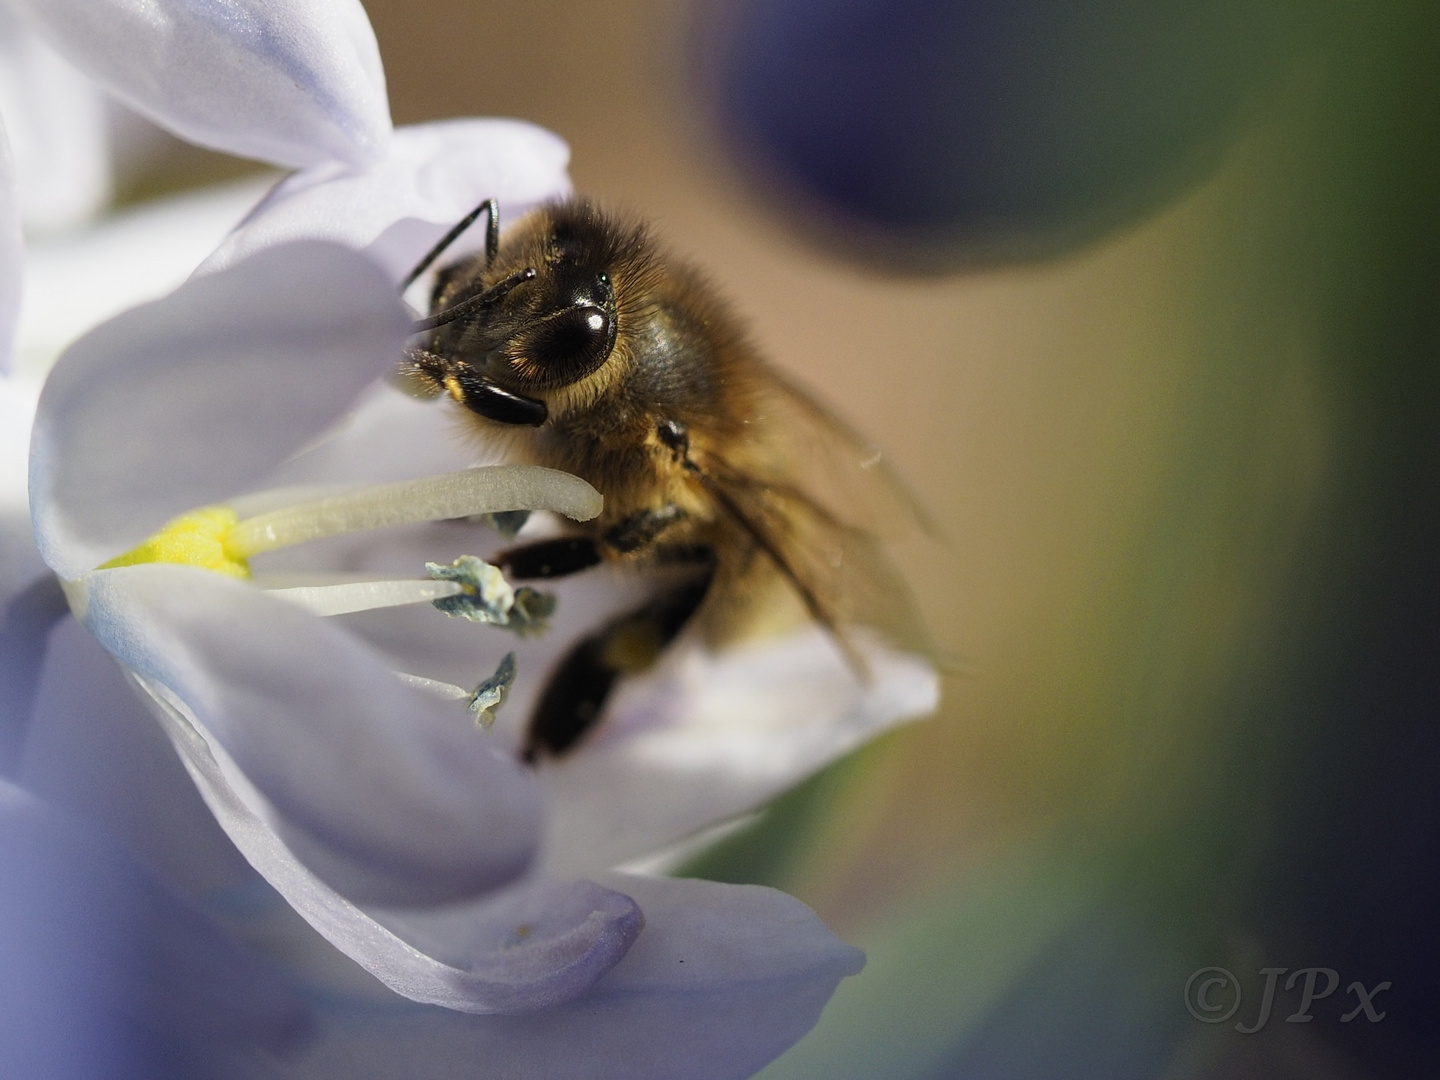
(106, 971)
(957, 131)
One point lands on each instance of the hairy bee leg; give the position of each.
(578, 688)
(571, 554)
(642, 529)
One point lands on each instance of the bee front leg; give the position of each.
(571, 554)
(549, 558)
(642, 529)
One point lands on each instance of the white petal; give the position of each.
(293, 82)
(385, 792)
(90, 937)
(57, 126)
(76, 281)
(723, 979)
(709, 736)
(434, 175)
(184, 401)
(390, 436)
(18, 397)
(10, 253)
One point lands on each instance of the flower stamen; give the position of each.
(491, 693)
(215, 538)
(484, 596)
(489, 489)
(484, 701)
(345, 598)
(199, 538)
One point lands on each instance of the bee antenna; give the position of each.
(490, 296)
(491, 209)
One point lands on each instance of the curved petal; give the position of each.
(530, 947)
(293, 82)
(469, 957)
(138, 254)
(390, 436)
(239, 369)
(94, 750)
(434, 175)
(57, 126)
(712, 735)
(10, 252)
(723, 979)
(385, 792)
(89, 938)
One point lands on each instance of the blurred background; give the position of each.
(1142, 299)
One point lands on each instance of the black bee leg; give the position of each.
(549, 558)
(578, 688)
(570, 554)
(492, 240)
(484, 398)
(642, 529)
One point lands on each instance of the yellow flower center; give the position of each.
(199, 538)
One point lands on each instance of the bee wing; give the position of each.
(839, 569)
(837, 468)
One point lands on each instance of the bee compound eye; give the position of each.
(568, 345)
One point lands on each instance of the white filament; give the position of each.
(448, 691)
(490, 489)
(347, 597)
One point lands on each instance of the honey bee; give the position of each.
(602, 357)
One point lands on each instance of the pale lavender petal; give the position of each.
(293, 82)
(26, 619)
(389, 781)
(434, 175)
(137, 254)
(387, 793)
(18, 396)
(710, 736)
(20, 563)
(94, 749)
(723, 979)
(185, 401)
(29, 606)
(11, 253)
(57, 126)
(533, 946)
(102, 964)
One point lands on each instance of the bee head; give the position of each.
(537, 316)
